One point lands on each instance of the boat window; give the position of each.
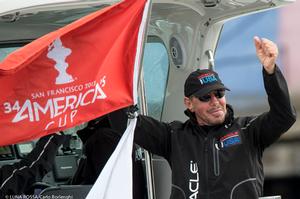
(236, 61)
(156, 67)
(5, 51)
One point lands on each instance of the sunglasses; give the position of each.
(217, 93)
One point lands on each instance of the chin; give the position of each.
(218, 121)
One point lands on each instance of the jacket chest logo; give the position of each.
(230, 139)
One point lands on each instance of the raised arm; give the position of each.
(269, 126)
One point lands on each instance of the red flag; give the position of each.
(72, 75)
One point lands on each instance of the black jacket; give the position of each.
(17, 178)
(223, 161)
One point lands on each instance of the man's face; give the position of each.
(211, 112)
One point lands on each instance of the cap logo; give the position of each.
(207, 78)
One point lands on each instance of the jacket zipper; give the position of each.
(206, 166)
(216, 158)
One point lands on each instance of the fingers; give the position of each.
(268, 47)
(267, 53)
(257, 43)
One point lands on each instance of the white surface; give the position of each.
(11, 5)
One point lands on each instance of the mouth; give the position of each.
(216, 112)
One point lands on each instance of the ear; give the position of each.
(188, 104)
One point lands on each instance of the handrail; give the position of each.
(270, 197)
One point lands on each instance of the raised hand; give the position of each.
(267, 52)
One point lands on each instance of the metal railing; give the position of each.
(270, 197)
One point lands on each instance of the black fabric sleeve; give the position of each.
(269, 126)
(17, 178)
(153, 135)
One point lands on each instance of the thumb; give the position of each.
(257, 43)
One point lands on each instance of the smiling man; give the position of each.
(215, 154)
(205, 96)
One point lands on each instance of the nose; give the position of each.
(213, 99)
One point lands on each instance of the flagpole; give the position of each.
(144, 40)
(148, 157)
(144, 108)
(140, 61)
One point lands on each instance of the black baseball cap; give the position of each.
(201, 82)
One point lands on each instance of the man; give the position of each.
(18, 178)
(213, 154)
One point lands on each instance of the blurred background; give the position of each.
(236, 52)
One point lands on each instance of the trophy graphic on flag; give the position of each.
(59, 53)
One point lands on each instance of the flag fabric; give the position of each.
(77, 73)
